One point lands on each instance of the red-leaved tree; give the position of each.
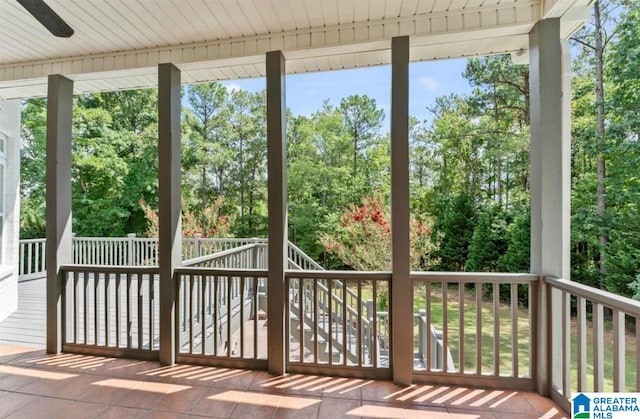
(363, 240)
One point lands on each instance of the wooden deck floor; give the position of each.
(27, 326)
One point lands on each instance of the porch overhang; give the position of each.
(120, 47)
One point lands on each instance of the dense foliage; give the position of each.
(469, 169)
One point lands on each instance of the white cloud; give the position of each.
(232, 87)
(429, 83)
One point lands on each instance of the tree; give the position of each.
(207, 155)
(454, 231)
(363, 239)
(361, 119)
(594, 38)
(247, 131)
(489, 241)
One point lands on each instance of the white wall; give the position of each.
(10, 128)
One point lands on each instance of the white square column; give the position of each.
(550, 90)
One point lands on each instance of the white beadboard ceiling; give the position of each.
(118, 43)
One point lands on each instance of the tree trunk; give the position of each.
(203, 204)
(496, 116)
(600, 161)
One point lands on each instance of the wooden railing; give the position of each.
(253, 255)
(469, 328)
(222, 316)
(141, 251)
(111, 310)
(328, 328)
(32, 258)
(197, 246)
(595, 336)
(485, 321)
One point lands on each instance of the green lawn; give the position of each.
(505, 334)
(487, 352)
(630, 358)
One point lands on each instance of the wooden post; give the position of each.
(59, 250)
(169, 202)
(277, 207)
(550, 89)
(401, 305)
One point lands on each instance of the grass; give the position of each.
(505, 340)
(630, 358)
(505, 337)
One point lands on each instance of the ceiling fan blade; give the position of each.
(47, 17)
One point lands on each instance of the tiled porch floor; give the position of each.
(33, 384)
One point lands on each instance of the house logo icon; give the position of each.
(581, 407)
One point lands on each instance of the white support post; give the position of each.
(58, 231)
(170, 229)
(401, 305)
(130, 249)
(277, 208)
(196, 245)
(550, 89)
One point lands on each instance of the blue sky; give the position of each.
(306, 92)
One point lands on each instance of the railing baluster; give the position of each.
(96, 311)
(21, 261)
(359, 345)
(445, 326)
(598, 347)
(118, 308)
(581, 343)
(374, 320)
(85, 280)
(301, 314)
(203, 313)
(129, 320)
(427, 300)
(496, 329)
(191, 334)
(36, 261)
(315, 320)
(151, 314)
(76, 308)
(229, 313)
(107, 280)
(345, 349)
(461, 326)
(514, 331)
(566, 344)
(330, 300)
(619, 363)
(216, 312)
(139, 310)
(242, 295)
(256, 317)
(479, 328)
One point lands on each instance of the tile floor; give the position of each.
(36, 385)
